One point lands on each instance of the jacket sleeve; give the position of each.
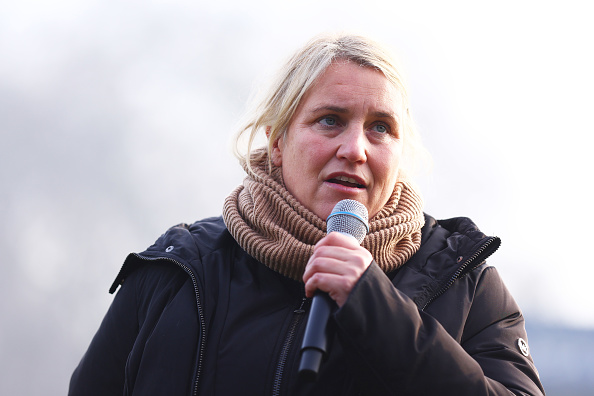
(109, 366)
(398, 349)
(101, 369)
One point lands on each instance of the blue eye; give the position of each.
(329, 121)
(380, 128)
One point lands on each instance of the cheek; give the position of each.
(388, 167)
(305, 150)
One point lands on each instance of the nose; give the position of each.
(353, 144)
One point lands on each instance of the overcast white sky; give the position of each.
(116, 118)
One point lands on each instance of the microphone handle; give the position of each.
(315, 342)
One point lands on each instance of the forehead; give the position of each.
(349, 84)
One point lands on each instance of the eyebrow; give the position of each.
(342, 110)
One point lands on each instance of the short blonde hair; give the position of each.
(274, 111)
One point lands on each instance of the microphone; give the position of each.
(348, 217)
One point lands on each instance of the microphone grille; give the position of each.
(349, 217)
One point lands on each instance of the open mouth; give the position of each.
(346, 181)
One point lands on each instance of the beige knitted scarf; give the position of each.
(274, 228)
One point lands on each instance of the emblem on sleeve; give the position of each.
(523, 346)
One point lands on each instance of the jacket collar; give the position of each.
(449, 249)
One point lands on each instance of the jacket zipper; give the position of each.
(298, 316)
(487, 249)
(200, 313)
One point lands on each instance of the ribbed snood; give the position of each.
(275, 229)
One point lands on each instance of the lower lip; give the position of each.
(344, 189)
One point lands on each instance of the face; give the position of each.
(343, 141)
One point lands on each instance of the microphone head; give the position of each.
(349, 217)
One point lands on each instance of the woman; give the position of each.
(220, 306)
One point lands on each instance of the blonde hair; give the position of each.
(273, 113)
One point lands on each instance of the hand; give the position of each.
(335, 267)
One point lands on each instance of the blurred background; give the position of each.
(116, 119)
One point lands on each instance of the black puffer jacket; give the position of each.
(197, 315)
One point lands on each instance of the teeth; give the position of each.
(347, 179)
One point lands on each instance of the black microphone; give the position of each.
(348, 217)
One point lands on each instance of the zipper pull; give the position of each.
(301, 309)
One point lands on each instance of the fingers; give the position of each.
(338, 239)
(338, 287)
(335, 267)
(337, 261)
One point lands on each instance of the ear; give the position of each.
(277, 152)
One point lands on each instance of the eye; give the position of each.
(328, 121)
(381, 128)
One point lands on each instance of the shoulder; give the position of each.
(183, 241)
(457, 240)
(460, 232)
(179, 249)
(450, 249)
